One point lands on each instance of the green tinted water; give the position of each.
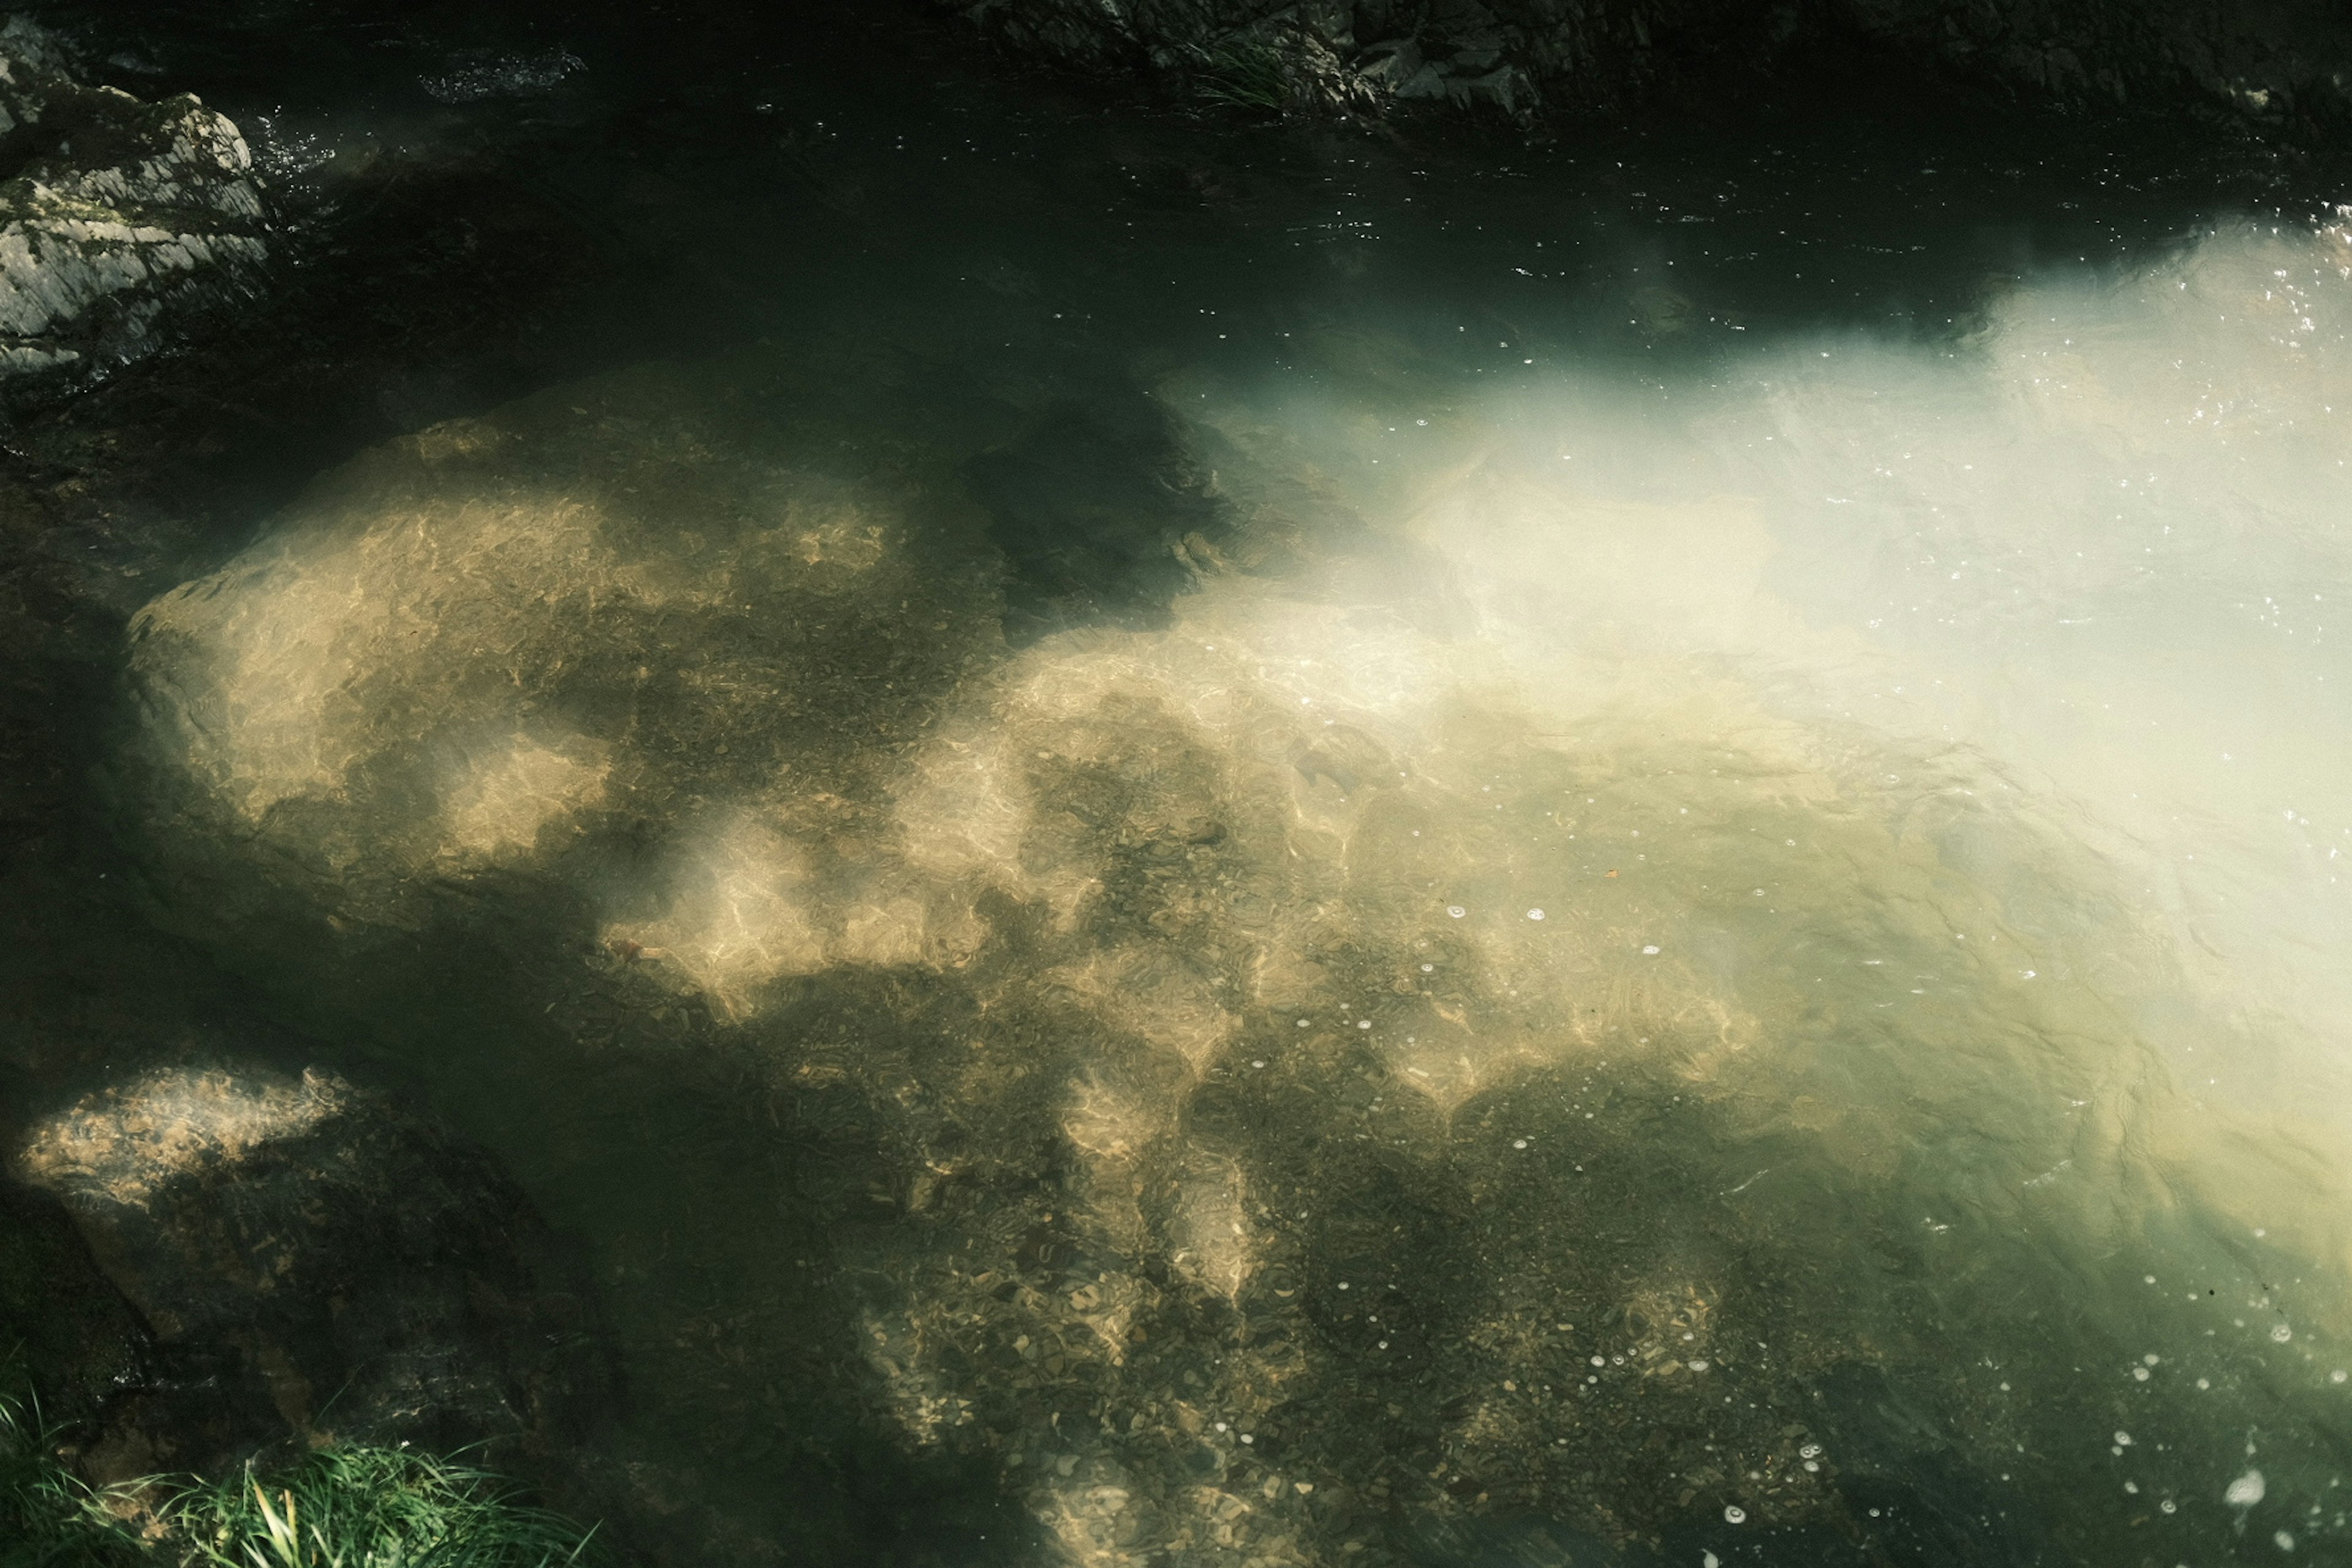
(1301, 860)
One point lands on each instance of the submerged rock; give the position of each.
(114, 214)
(298, 1245)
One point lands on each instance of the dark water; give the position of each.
(1187, 841)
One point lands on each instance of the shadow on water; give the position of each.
(1099, 514)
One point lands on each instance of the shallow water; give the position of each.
(1265, 850)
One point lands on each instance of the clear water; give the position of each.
(1291, 851)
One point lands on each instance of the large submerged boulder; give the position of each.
(114, 213)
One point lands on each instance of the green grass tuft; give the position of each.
(368, 1508)
(49, 1519)
(343, 1506)
(1244, 73)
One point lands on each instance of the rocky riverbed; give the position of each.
(897, 812)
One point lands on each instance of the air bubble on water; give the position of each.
(2337, 1375)
(1653, 950)
(2123, 1440)
(1709, 1559)
(1810, 1451)
(1698, 1366)
(1735, 1514)
(2151, 1358)
(1535, 914)
(1599, 1362)
(1363, 1022)
(2285, 1543)
(2245, 1491)
(1304, 1022)
(1428, 968)
(2149, 1278)
(2139, 1374)
(1457, 911)
(2281, 1333)
(1518, 1142)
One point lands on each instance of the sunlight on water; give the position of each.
(1741, 954)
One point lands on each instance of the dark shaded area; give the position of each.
(1101, 513)
(1902, 1469)
(2278, 64)
(60, 1317)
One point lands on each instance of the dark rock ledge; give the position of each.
(2283, 61)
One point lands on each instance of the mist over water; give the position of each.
(1491, 886)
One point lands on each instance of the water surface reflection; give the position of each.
(1462, 889)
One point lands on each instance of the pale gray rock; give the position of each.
(114, 213)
